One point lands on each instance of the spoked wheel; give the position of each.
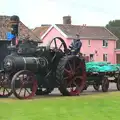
(71, 75)
(105, 84)
(96, 86)
(44, 91)
(24, 84)
(57, 45)
(118, 83)
(5, 88)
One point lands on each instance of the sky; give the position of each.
(33, 13)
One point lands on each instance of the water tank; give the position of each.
(67, 20)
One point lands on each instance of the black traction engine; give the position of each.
(33, 69)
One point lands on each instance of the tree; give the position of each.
(114, 27)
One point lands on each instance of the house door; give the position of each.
(91, 57)
(118, 58)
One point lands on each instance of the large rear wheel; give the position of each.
(71, 75)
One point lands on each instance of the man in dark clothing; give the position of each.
(76, 45)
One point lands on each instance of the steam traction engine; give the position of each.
(38, 70)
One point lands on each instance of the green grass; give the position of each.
(90, 107)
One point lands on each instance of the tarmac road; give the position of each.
(89, 91)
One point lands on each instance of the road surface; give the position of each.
(89, 91)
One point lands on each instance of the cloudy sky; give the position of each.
(33, 13)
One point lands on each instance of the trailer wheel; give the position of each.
(71, 75)
(105, 84)
(24, 84)
(96, 87)
(118, 83)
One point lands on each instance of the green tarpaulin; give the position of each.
(102, 67)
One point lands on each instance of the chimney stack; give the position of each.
(67, 20)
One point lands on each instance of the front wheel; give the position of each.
(24, 84)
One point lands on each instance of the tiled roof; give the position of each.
(39, 31)
(23, 30)
(90, 32)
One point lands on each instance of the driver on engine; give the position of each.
(76, 45)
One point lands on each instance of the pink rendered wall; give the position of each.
(95, 45)
(52, 34)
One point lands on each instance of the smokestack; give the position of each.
(67, 20)
(14, 19)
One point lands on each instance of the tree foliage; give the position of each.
(114, 27)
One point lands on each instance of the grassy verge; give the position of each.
(91, 107)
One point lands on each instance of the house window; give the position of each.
(105, 57)
(88, 42)
(105, 43)
(91, 57)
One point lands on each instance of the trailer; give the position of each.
(102, 77)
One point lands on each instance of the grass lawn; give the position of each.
(90, 107)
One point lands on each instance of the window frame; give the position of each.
(105, 57)
(92, 57)
(105, 43)
(89, 43)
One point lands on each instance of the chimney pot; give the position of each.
(67, 20)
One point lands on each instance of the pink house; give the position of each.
(99, 44)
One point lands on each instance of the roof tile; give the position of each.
(23, 30)
(89, 32)
(39, 31)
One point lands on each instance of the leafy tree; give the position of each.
(114, 27)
